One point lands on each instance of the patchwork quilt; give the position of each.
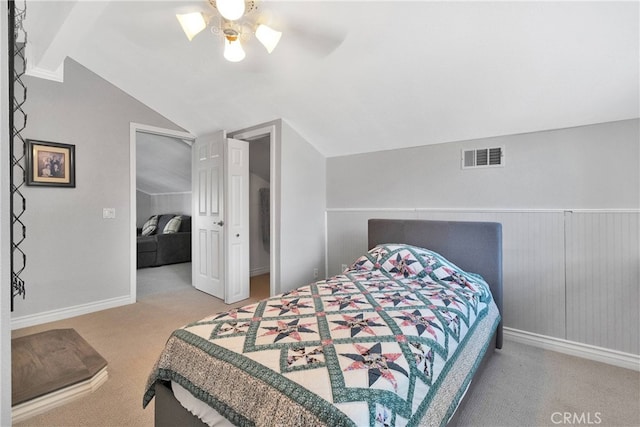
(393, 341)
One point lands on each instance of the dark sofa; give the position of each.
(161, 248)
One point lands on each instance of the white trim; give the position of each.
(586, 351)
(326, 244)
(469, 210)
(43, 73)
(170, 193)
(65, 313)
(188, 139)
(57, 398)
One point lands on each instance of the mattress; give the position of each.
(394, 340)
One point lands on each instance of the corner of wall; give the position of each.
(5, 304)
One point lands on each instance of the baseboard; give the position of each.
(65, 313)
(60, 397)
(259, 270)
(586, 351)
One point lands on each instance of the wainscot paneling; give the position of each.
(544, 265)
(176, 203)
(603, 279)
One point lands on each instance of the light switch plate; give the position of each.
(108, 213)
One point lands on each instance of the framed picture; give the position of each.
(51, 164)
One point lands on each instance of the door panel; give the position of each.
(208, 248)
(237, 202)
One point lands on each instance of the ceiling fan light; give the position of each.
(192, 23)
(268, 37)
(230, 9)
(233, 51)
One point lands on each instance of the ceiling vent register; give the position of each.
(483, 158)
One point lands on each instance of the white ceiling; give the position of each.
(384, 74)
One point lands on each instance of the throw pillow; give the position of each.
(173, 225)
(150, 226)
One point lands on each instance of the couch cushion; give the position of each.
(147, 244)
(185, 227)
(150, 226)
(173, 225)
(163, 220)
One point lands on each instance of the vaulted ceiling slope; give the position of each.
(163, 164)
(362, 76)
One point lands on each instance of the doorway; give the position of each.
(160, 136)
(259, 216)
(268, 131)
(264, 143)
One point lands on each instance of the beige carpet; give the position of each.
(129, 338)
(521, 386)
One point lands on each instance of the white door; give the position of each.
(208, 229)
(237, 220)
(220, 243)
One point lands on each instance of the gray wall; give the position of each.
(75, 257)
(303, 204)
(569, 204)
(589, 167)
(143, 208)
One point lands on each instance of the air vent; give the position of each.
(483, 157)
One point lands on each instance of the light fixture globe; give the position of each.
(192, 23)
(231, 9)
(268, 37)
(233, 51)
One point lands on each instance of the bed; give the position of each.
(395, 340)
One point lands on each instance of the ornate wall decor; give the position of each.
(17, 144)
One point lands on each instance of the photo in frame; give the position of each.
(50, 164)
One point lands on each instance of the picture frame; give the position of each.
(50, 164)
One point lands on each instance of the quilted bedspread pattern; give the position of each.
(394, 340)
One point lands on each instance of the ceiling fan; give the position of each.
(237, 22)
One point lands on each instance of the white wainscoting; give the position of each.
(547, 259)
(603, 279)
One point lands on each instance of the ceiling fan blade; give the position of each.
(313, 39)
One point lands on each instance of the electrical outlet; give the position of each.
(343, 267)
(315, 273)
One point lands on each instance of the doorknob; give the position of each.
(220, 223)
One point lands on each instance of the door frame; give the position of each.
(134, 128)
(272, 129)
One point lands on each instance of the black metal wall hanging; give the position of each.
(17, 151)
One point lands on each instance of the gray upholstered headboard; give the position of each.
(475, 247)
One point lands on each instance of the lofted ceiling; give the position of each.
(361, 76)
(163, 164)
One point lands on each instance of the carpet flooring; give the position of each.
(521, 386)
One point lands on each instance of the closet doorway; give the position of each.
(259, 216)
(264, 171)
